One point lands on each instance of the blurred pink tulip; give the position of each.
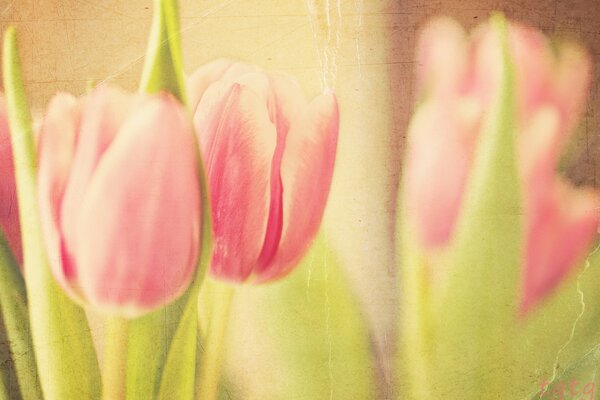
(269, 156)
(9, 210)
(458, 79)
(119, 198)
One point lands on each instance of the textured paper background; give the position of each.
(362, 48)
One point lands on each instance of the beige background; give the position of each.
(363, 48)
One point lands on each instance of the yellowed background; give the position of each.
(363, 48)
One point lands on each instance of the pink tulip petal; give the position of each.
(104, 112)
(237, 141)
(561, 229)
(237, 69)
(9, 210)
(57, 142)
(442, 140)
(306, 173)
(139, 223)
(441, 57)
(289, 97)
(203, 77)
(572, 82)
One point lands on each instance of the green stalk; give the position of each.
(115, 359)
(213, 344)
(67, 364)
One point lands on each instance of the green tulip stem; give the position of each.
(212, 358)
(115, 359)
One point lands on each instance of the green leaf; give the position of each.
(302, 337)
(562, 330)
(8, 377)
(578, 381)
(163, 68)
(66, 359)
(149, 340)
(13, 304)
(179, 375)
(461, 308)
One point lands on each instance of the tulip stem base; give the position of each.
(115, 359)
(209, 373)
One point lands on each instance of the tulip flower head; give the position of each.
(458, 78)
(119, 198)
(9, 210)
(269, 157)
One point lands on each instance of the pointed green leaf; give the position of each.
(149, 340)
(66, 359)
(178, 378)
(302, 337)
(163, 68)
(13, 305)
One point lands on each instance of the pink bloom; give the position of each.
(458, 80)
(269, 156)
(119, 198)
(9, 210)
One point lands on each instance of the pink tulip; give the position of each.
(458, 79)
(269, 156)
(119, 198)
(9, 210)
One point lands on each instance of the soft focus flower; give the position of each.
(9, 211)
(269, 156)
(119, 198)
(458, 80)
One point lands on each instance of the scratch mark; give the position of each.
(359, 5)
(579, 316)
(328, 46)
(308, 278)
(7, 8)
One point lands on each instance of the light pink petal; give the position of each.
(539, 149)
(56, 147)
(139, 224)
(289, 100)
(237, 69)
(572, 80)
(441, 140)
(9, 210)
(561, 229)
(103, 114)
(203, 77)
(441, 57)
(306, 172)
(258, 82)
(237, 142)
(532, 62)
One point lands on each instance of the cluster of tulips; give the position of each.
(127, 197)
(117, 203)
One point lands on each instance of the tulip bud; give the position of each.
(119, 198)
(488, 227)
(269, 158)
(9, 210)
(459, 81)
